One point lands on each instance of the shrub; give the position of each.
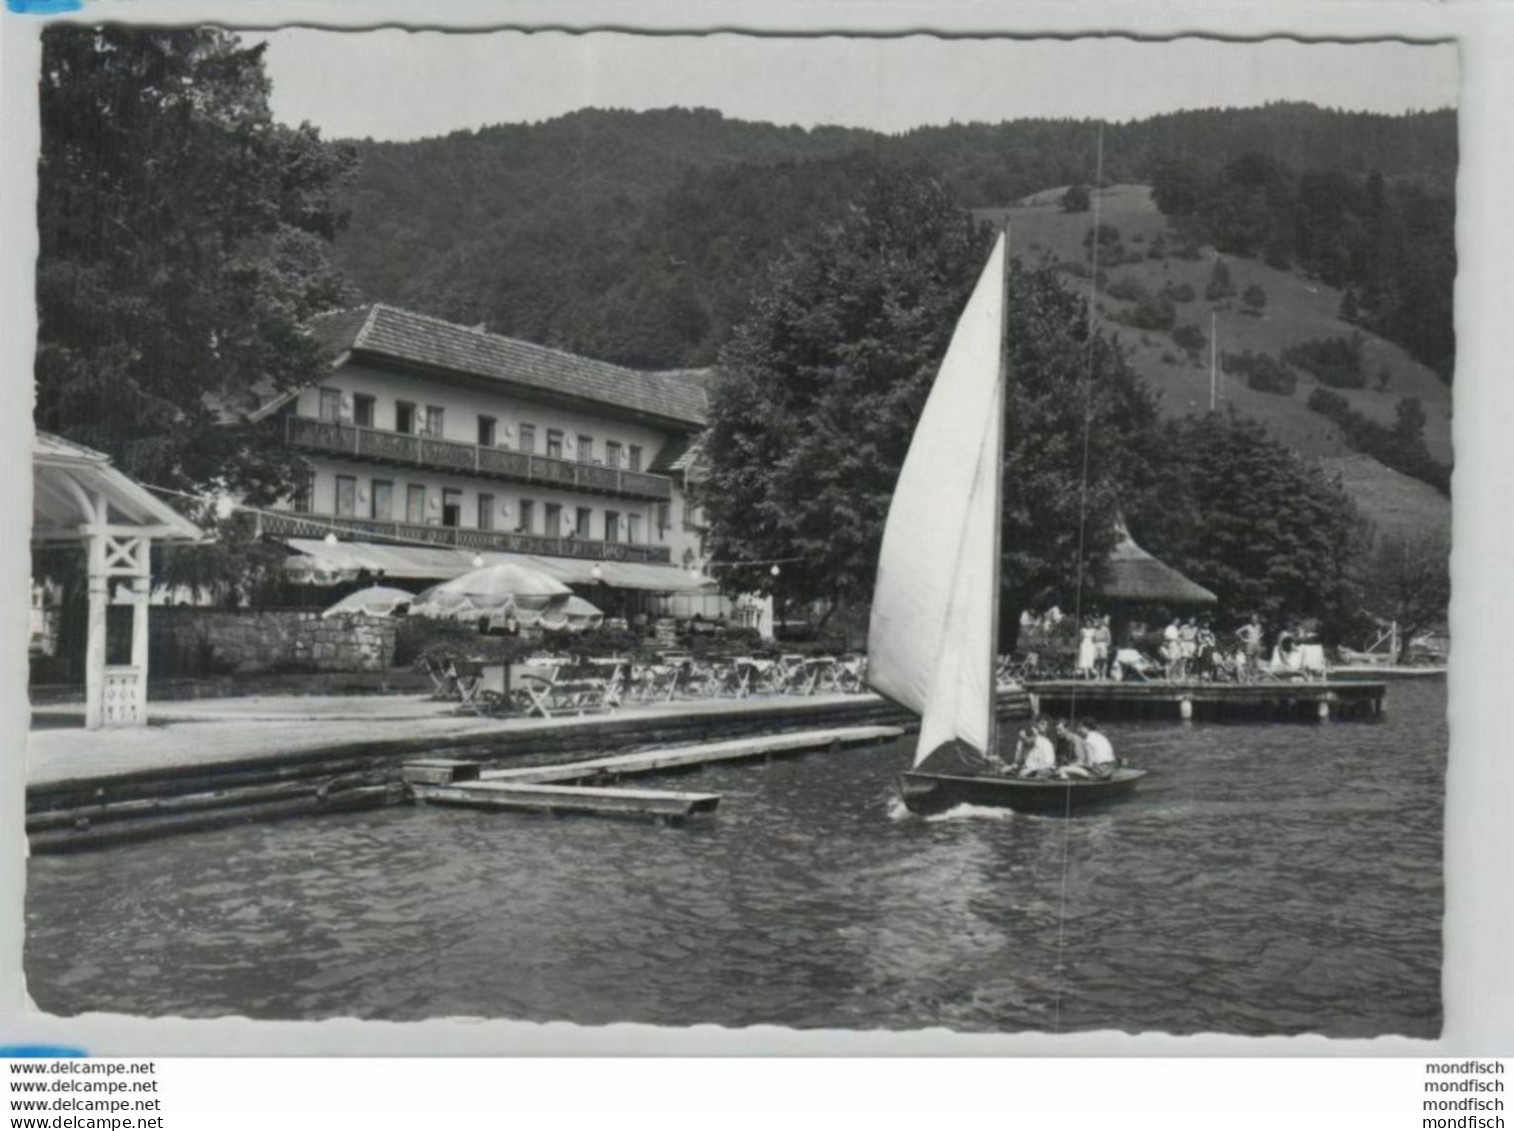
(1151, 312)
(1169, 357)
(1126, 288)
(1189, 337)
(1254, 297)
(1336, 362)
(1076, 199)
(1262, 372)
(1109, 236)
(1178, 292)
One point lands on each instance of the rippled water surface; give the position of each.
(1267, 879)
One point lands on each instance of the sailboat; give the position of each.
(933, 636)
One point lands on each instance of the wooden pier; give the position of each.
(1132, 699)
(549, 788)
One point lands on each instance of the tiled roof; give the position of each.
(676, 456)
(401, 335)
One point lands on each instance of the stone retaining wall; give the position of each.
(191, 641)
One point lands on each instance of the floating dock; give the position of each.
(676, 758)
(550, 788)
(1128, 699)
(528, 797)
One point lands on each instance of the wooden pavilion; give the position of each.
(79, 499)
(1133, 577)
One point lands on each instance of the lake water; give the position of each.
(1268, 878)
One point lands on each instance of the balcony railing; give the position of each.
(288, 525)
(471, 459)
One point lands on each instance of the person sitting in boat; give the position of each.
(1035, 757)
(1072, 753)
(1101, 757)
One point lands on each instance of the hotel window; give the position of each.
(528, 439)
(452, 507)
(485, 511)
(415, 503)
(433, 422)
(554, 443)
(331, 405)
(346, 496)
(404, 417)
(528, 518)
(662, 519)
(383, 499)
(585, 448)
(304, 494)
(633, 528)
(581, 525)
(552, 524)
(612, 453)
(486, 431)
(635, 450)
(612, 526)
(362, 410)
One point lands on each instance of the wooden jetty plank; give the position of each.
(438, 771)
(680, 757)
(535, 797)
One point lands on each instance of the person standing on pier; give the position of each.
(1250, 635)
(1172, 649)
(1101, 643)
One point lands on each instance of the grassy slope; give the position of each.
(1297, 309)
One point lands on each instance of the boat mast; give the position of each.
(998, 562)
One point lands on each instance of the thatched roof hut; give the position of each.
(1133, 576)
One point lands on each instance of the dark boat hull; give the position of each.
(927, 793)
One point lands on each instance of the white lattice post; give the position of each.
(94, 647)
(141, 598)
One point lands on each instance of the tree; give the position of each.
(182, 243)
(1409, 420)
(820, 389)
(1407, 579)
(1076, 199)
(1219, 285)
(1245, 517)
(1254, 297)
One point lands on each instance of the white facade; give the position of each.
(391, 419)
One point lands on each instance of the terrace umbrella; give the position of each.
(482, 591)
(375, 601)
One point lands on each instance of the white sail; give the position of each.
(930, 642)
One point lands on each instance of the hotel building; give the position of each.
(434, 446)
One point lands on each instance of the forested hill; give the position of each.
(636, 236)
